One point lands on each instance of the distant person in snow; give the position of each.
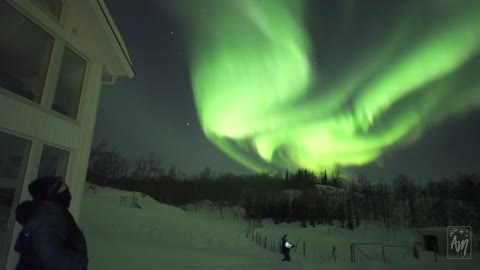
(286, 246)
(50, 238)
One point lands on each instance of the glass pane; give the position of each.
(6, 203)
(53, 162)
(6, 200)
(13, 158)
(53, 7)
(25, 51)
(70, 84)
(14, 151)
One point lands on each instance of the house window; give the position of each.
(6, 206)
(13, 158)
(25, 51)
(70, 84)
(54, 162)
(53, 7)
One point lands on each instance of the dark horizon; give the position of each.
(129, 168)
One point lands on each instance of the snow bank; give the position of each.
(161, 236)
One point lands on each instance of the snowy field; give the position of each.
(161, 236)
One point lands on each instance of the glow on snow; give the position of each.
(260, 100)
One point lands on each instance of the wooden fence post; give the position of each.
(296, 245)
(383, 253)
(415, 252)
(352, 253)
(253, 230)
(333, 255)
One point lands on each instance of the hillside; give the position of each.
(160, 236)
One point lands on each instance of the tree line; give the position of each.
(301, 196)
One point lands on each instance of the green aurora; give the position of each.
(262, 100)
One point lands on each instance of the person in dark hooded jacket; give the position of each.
(23, 214)
(50, 238)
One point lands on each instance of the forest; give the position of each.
(311, 198)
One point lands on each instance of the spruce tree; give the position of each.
(349, 215)
(341, 214)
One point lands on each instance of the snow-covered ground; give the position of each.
(161, 236)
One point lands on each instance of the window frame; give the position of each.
(61, 20)
(62, 39)
(18, 188)
(31, 166)
(52, 54)
(85, 80)
(56, 147)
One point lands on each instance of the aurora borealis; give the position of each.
(272, 91)
(252, 86)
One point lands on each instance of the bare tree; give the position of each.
(106, 162)
(154, 166)
(401, 185)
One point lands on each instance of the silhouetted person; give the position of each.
(285, 249)
(50, 238)
(23, 214)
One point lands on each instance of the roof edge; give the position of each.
(115, 36)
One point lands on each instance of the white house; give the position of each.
(55, 55)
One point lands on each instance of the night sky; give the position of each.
(378, 87)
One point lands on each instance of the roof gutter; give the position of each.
(113, 81)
